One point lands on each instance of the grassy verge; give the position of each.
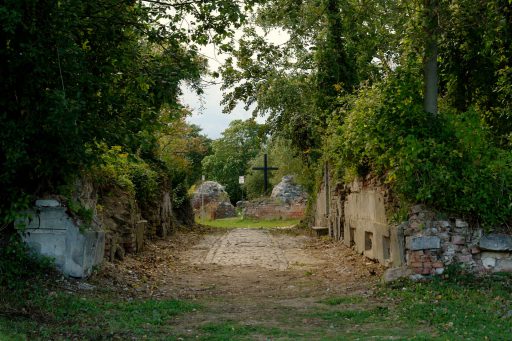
(70, 316)
(237, 222)
(461, 306)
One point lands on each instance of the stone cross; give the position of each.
(265, 170)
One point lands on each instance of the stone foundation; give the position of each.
(356, 214)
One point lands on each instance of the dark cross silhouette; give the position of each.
(265, 170)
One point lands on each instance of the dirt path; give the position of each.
(252, 284)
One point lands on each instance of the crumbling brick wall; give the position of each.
(273, 209)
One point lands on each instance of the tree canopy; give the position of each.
(80, 74)
(416, 93)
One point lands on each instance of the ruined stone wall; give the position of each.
(158, 215)
(366, 226)
(211, 200)
(356, 214)
(423, 245)
(273, 209)
(432, 244)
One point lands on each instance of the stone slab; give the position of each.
(247, 247)
(423, 242)
(393, 274)
(503, 265)
(49, 231)
(47, 203)
(496, 242)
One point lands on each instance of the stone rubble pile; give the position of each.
(288, 191)
(287, 201)
(215, 201)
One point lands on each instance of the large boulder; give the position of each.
(288, 191)
(214, 199)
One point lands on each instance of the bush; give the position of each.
(20, 268)
(447, 161)
(128, 172)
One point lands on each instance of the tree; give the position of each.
(182, 146)
(286, 158)
(231, 154)
(76, 74)
(331, 49)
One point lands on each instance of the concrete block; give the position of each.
(496, 242)
(488, 262)
(423, 242)
(49, 231)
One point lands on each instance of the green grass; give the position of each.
(237, 222)
(458, 307)
(68, 316)
(231, 330)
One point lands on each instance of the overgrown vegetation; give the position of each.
(79, 78)
(448, 161)
(21, 271)
(397, 90)
(67, 316)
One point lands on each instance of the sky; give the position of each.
(206, 109)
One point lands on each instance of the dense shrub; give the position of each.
(130, 172)
(448, 161)
(20, 268)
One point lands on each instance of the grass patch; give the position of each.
(353, 315)
(458, 307)
(235, 331)
(67, 316)
(237, 222)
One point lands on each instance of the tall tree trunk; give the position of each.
(431, 77)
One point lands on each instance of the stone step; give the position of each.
(321, 230)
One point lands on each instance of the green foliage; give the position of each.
(283, 155)
(77, 75)
(448, 161)
(20, 268)
(231, 153)
(129, 172)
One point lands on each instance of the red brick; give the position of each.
(417, 270)
(437, 265)
(426, 271)
(475, 249)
